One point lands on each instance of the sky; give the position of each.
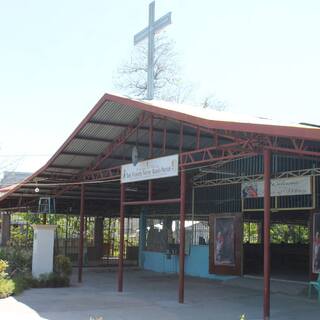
(57, 58)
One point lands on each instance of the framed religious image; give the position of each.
(225, 243)
(224, 253)
(316, 243)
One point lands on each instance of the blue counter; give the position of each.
(196, 264)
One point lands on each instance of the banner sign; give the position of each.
(150, 169)
(279, 187)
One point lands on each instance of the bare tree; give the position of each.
(169, 82)
(212, 102)
(131, 77)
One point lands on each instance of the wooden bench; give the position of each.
(316, 285)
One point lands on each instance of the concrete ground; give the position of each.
(149, 295)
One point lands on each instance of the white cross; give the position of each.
(149, 32)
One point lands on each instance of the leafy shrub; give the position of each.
(6, 285)
(19, 259)
(50, 280)
(62, 266)
(21, 272)
(22, 282)
(19, 239)
(3, 267)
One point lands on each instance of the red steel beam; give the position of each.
(102, 174)
(121, 244)
(145, 128)
(151, 202)
(130, 143)
(80, 255)
(295, 151)
(182, 234)
(186, 159)
(206, 155)
(266, 226)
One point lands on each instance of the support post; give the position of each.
(181, 138)
(80, 255)
(266, 233)
(5, 228)
(142, 235)
(182, 235)
(98, 236)
(66, 236)
(121, 244)
(164, 137)
(150, 182)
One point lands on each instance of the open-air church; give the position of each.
(180, 191)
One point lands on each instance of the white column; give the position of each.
(43, 245)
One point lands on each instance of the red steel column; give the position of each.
(181, 138)
(182, 234)
(266, 244)
(164, 137)
(80, 255)
(121, 244)
(150, 183)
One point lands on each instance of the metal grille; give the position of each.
(218, 188)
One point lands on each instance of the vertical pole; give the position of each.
(121, 245)
(98, 237)
(142, 235)
(192, 213)
(150, 156)
(181, 138)
(109, 240)
(80, 255)
(164, 141)
(6, 223)
(198, 138)
(150, 86)
(66, 236)
(182, 235)
(266, 233)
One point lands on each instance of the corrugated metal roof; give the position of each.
(224, 116)
(109, 118)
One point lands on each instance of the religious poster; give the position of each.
(316, 244)
(224, 253)
(279, 187)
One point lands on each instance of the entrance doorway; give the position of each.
(289, 245)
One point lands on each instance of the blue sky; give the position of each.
(59, 57)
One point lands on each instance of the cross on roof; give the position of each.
(148, 33)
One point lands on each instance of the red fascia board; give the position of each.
(273, 130)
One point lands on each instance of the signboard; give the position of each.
(279, 187)
(150, 169)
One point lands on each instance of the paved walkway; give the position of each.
(153, 296)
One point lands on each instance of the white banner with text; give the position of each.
(279, 187)
(150, 169)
